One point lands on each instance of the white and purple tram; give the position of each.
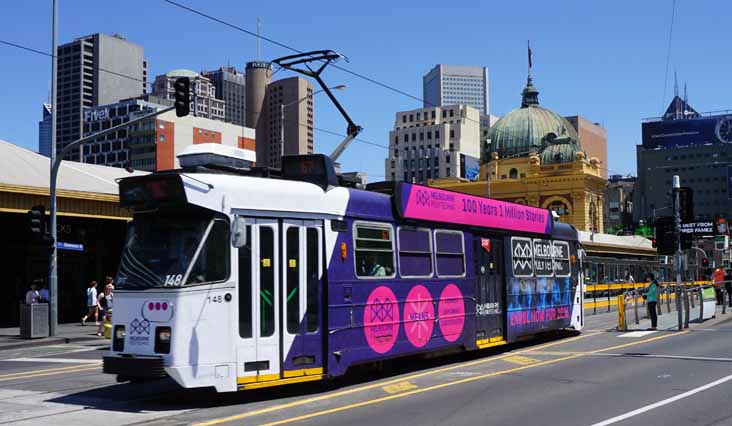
(236, 281)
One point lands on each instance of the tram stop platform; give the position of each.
(65, 333)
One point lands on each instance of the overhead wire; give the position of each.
(668, 54)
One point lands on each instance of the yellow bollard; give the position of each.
(622, 326)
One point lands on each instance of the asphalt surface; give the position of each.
(595, 378)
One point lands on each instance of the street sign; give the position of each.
(70, 246)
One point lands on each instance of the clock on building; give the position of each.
(724, 129)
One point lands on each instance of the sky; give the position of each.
(605, 60)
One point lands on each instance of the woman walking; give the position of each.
(652, 299)
(91, 304)
(105, 307)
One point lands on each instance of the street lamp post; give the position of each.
(55, 166)
(297, 102)
(52, 271)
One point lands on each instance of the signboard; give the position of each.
(96, 115)
(469, 167)
(560, 254)
(698, 228)
(70, 246)
(693, 131)
(522, 257)
(422, 202)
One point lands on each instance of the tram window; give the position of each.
(449, 253)
(415, 253)
(313, 279)
(245, 287)
(212, 263)
(374, 246)
(266, 281)
(293, 279)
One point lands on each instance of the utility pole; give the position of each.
(52, 268)
(677, 236)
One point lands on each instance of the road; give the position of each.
(596, 378)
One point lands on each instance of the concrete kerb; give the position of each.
(49, 341)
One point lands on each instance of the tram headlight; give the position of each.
(118, 343)
(162, 340)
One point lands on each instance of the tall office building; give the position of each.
(44, 132)
(94, 70)
(204, 102)
(432, 143)
(230, 87)
(296, 94)
(695, 146)
(453, 84)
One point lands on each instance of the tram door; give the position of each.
(258, 347)
(489, 306)
(302, 276)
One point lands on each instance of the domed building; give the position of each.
(533, 156)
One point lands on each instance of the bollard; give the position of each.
(622, 325)
(692, 300)
(668, 300)
(594, 302)
(686, 308)
(701, 304)
(635, 306)
(724, 303)
(608, 297)
(679, 314)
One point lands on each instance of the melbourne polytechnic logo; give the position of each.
(382, 311)
(140, 327)
(423, 198)
(522, 256)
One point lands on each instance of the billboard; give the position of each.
(693, 131)
(469, 167)
(426, 203)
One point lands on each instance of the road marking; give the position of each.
(399, 387)
(457, 382)
(521, 360)
(420, 390)
(638, 333)
(380, 384)
(664, 402)
(56, 360)
(47, 372)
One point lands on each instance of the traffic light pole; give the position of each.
(677, 235)
(56, 164)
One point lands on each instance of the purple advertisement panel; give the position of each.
(439, 205)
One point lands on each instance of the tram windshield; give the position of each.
(168, 250)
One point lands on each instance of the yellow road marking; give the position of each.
(457, 382)
(399, 387)
(42, 373)
(521, 360)
(380, 384)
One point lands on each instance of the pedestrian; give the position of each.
(718, 278)
(728, 286)
(105, 307)
(31, 296)
(109, 282)
(91, 304)
(651, 297)
(44, 294)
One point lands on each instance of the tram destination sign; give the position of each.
(425, 203)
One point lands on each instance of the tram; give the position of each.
(236, 280)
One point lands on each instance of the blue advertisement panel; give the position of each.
(469, 167)
(694, 131)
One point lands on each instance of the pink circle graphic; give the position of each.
(381, 319)
(451, 311)
(419, 316)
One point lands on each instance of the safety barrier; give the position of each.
(599, 296)
(686, 296)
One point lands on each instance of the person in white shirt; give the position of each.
(91, 304)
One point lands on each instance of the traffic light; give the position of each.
(653, 242)
(686, 204)
(37, 215)
(665, 239)
(705, 263)
(182, 88)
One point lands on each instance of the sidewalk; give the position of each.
(65, 333)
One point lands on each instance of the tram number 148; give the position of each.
(173, 280)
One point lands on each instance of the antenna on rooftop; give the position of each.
(259, 33)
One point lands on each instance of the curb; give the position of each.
(49, 341)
